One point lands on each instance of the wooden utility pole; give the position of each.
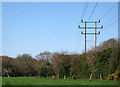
(95, 36)
(90, 32)
(85, 37)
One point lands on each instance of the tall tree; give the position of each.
(25, 65)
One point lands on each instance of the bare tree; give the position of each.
(44, 56)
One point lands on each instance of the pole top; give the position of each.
(89, 21)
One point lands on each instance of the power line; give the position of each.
(110, 19)
(108, 11)
(83, 14)
(114, 20)
(85, 8)
(108, 25)
(93, 10)
(77, 42)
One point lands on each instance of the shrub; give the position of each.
(74, 77)
(115, 76)
(110, 77)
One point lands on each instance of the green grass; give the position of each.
(49, 81)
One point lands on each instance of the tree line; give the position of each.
(92, 65)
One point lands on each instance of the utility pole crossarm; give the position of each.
(90, 27)
(89, 21)
(91, 33)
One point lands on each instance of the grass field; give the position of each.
(49, 81)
